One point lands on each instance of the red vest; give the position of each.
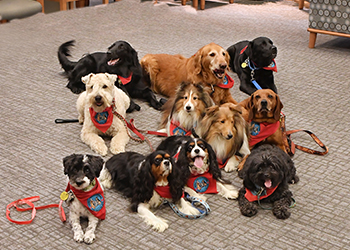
(102, 120)
(204, 183)
(254, 197)
(260, 131)
(164, 191)
(93, 200)
(176, 129)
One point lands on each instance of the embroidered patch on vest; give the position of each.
(96, 202)
(201, 184)
(255, 128)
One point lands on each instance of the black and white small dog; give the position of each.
(120, 59)
(254, 63)
(266, 174)
(198, 162)
(147, 180)
(84, 194)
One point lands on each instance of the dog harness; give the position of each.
(93, 200)
(102, 120)
(164, 192)
(260, 131)
(176, 129)
(259, 194)
(254, 67)
(203, 183)
(124, 80)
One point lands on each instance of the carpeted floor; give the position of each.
(313, 85)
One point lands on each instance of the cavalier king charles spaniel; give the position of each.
(148, 181)
(198, 162)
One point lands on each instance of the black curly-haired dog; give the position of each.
(147, 180)
(120, 59)
(198, 163)
(266, 174)
(253, 61)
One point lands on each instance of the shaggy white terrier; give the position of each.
(96, 107)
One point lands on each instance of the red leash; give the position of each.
(29, 201)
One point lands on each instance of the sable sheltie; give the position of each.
(224, 128)
(182, 112)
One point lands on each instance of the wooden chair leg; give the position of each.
(195, 4)
(202, 4)
(301, 4)
(81, 3)
(63, 5)
(231, 1)
(42, 5)
(3, 21)
(183, 2)
(71, 5)
(105, 1)
(312, 40)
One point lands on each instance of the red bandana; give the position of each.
(164, 192)
(176, 129)
(93, 200)
(124, 80)
(204, 183)
(253, 196)
(227, 83)
(102, 120)
(222, 163)
(260, 131)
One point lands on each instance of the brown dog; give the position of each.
(209, 65)
(263, 112)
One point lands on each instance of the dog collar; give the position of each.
(176, 129)
(260, 131)
(203, 183)
(259, 193)
(222, 163)
(124, 80)
(102, 120)
(164, 192)
(93, 200)
(227, 83)
(253, 66)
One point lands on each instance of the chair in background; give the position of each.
(202, 3)
(328, 17)
(13, 9)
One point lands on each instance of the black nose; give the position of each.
(188, 107)
(223, 66)
(196, 151)
(166, 163)
(98, 98)
(274, 50)
(264, 103)
(79, 183)
(229, 136)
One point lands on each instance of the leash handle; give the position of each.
(66, 120)
(314, 137)
(29, 201)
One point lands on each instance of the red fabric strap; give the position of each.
(164, 192)
(252, 197)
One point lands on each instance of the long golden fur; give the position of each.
(208, 65)
(224, 128)
(186, 107)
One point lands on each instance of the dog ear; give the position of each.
(233, 107)
(278, 108)
(250, 107)
(68, 162)
(227, 59)
(111, 77)
(204, 96)
(197, 62)
(96, 163)
(214, 166)
(86, 79)
(249, 50)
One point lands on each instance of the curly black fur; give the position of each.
(131, 174)
(76, 165)
(268, 162)
(98, 63)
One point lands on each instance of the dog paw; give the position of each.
(249, 210)
(100, 149)
(89, 237)
(117, 150)
(232, 164)
(282, 213)
(229, 192)
(79, 236)
(158, 224)
(189, 209)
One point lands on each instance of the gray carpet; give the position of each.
(313, 86)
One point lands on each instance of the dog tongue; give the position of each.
(198, 162)
(268, 183)
(112, 62)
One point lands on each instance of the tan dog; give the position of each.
(96, 106)
(209, 65)
(263, 112)
(224, 128)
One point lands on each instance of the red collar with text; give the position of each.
(125, 80)
(93, 200)
(253, 196)
(227, 83)
(203, 183)
(164, 192)
(176, 129)
(102, 120)
(260, 131)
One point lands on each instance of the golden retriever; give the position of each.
(209, 65)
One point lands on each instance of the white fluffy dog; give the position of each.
(96, 106)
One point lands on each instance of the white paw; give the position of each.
(100, 149)
(117, 150)
(228, 191)
(79, 236)
(158, 224)
(189, 209)
(89, 237)
(232, 164)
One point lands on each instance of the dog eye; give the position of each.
(92, 87)
(195, 98)
(212, 54)
(270, 96)
(87, 170)
(185, 97)
(104, 86)
(257, 97)
(190, 148)
(223, 53)
(223, 121)
(201, 146)
(157, 161)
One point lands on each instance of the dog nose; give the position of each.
(263, 103)
(79, 183)
(196, 151)
(98, 98)
(166, 163)
(229, 136)
(223, 66)
(274, 50)
(188, 108)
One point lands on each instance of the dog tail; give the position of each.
(63, 53)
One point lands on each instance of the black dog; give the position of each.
(253, 61)
(266, 174)
(120, 59)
